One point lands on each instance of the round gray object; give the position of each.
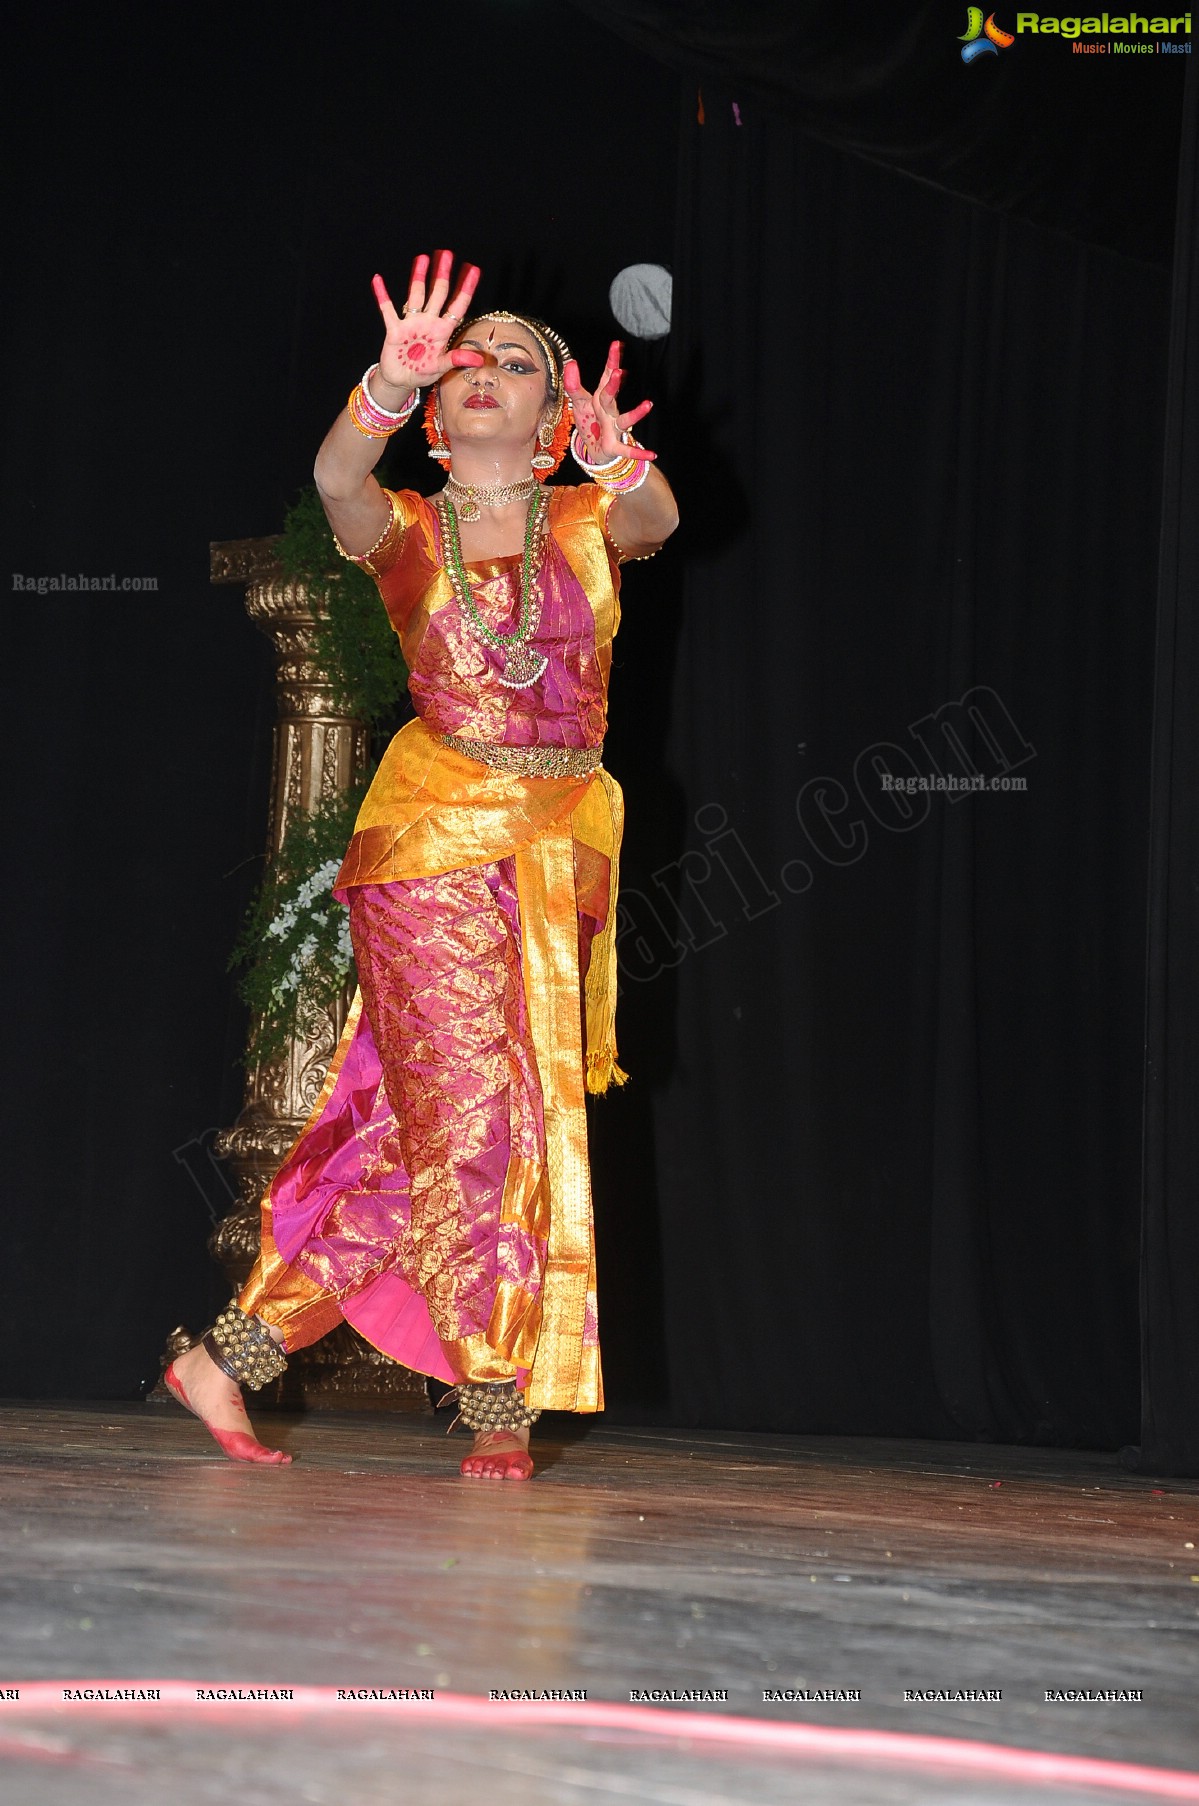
(640, 298)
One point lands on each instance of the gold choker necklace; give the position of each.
(469, 496)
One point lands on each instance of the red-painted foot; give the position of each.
(239, 1445)
(497, 1456)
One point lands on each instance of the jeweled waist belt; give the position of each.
(530, 761)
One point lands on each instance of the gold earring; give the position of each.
(545, 438)
(441, 450)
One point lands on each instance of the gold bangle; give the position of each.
(365, 557)
(368, 432)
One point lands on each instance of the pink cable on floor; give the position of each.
(814, 1742)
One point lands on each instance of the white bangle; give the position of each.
(388, 413)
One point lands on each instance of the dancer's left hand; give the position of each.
(598, 421)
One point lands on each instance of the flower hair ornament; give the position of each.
(553, 436)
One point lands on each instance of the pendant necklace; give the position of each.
(520, 663)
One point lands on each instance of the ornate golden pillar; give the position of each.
(319, 750)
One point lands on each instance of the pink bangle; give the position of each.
(620, 475)
(370, 419)
(625, 484)
(387, 414)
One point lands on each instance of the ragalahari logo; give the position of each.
(983, 37)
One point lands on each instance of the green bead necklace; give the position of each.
(521, 664)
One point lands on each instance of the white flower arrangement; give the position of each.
(295, 946)
(311, 900)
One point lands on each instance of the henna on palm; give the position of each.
(600, 423)
(414, 351)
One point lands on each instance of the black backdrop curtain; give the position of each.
(1087, 143)
(897, 1130)
(898, 1133)
(1170, 1234)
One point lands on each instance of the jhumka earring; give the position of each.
(440, 450)
(543, 460)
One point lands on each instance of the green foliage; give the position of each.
(294, 949)
(294, 946)
(354, 640)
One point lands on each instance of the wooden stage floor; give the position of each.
(637, 1559)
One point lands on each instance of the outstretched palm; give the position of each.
(414, 351)
(598, 421)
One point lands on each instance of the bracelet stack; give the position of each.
(620, 475)
(372, 421)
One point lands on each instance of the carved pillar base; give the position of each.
(319, 752)
(341, 1370)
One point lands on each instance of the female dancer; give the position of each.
(438, 1197)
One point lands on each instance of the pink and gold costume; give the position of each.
(438, 1198)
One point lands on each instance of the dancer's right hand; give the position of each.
(414, 351)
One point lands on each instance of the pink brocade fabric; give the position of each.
(391, 1199)
(454, 677)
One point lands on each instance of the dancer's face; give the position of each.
(504, 399)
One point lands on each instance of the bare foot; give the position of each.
(499, 1455)
(216, 1400)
